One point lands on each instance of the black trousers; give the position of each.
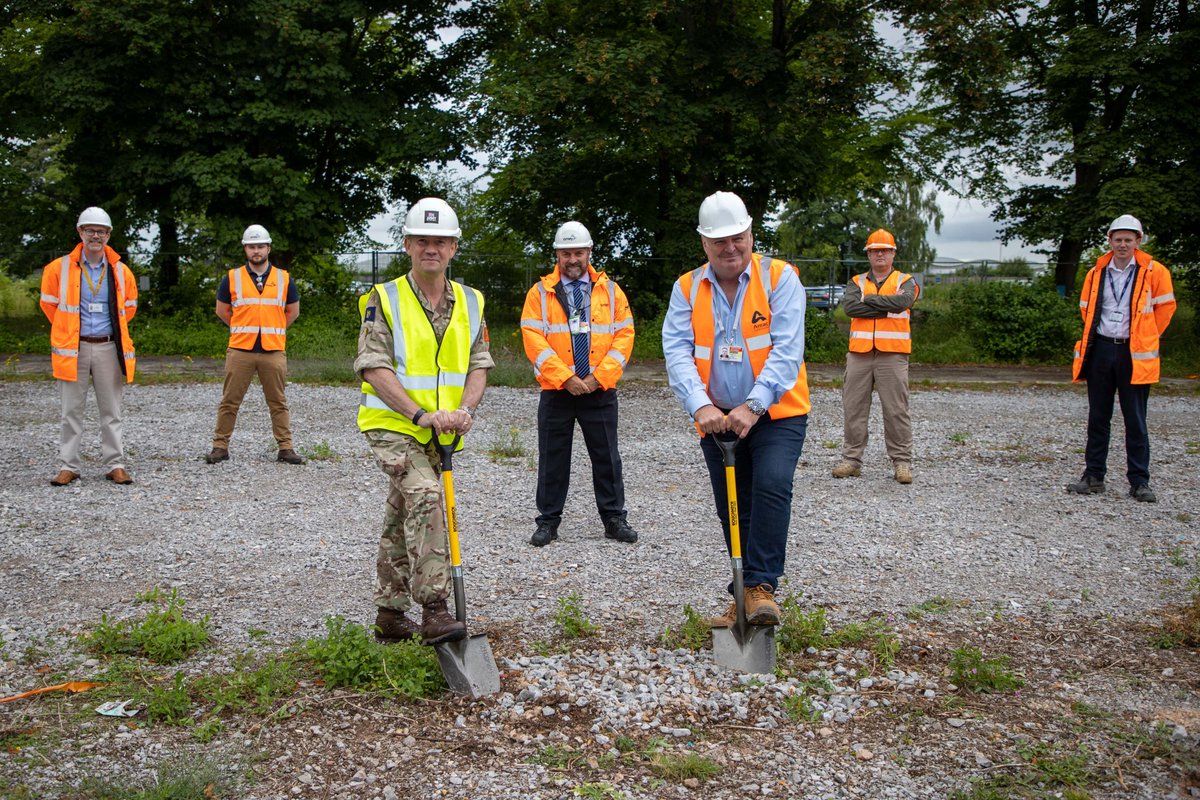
(596, 413)
(1109, 371)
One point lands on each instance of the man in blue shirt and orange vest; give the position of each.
(423, 358)
(578, 333)
(90, 296)
(733, 338)
(1127, 303)
(879, 304)
(258, 301)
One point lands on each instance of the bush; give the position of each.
(1012, 323)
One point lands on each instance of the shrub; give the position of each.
(349, 656)
(1012, 323)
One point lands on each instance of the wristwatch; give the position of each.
(469, 409)
(756, 408)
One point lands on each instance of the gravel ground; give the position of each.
(1063, 584)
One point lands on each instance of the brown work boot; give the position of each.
(903, 473)
(392, 625)
(120, 476)
(64, 477)
(438, 625)
(217, 455)
(727, 619)
(289, 456)
(847, 469)
(761, 608)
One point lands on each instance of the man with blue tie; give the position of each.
(578, 333)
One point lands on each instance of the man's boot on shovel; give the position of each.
(438, 625)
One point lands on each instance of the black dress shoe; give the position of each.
(544, 535)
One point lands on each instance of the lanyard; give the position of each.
(1112, 286)
(87, 273)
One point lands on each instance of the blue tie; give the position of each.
(579, 341)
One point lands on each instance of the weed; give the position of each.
(831, 444)
(934, 605)
(506, 444)
(970, 670)
(626, 744)
(320, 451)
(208, 730)
(1176, 558)
(799, 630)
(248, 688)
(599, 791)
(191, 779)
(170, 705)
(1183, 516)
(556, 757)
(1085, 594)
(959, 438)
(349, 656)
(679, 767)
(570, 618)
(800, 707)
(1192, 448)
(692, 634)
(163, 635)
(1181, 624)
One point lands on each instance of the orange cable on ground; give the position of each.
(73, 686)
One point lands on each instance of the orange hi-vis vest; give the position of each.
(1151, 307)
(546, 331)
(756, 328)
(256, 313)
(60, 302)
(890, 334)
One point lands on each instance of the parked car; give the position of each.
(824, 297)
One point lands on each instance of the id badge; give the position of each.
(96, 308)
(728, 352)
(1119, 315)
(580, 325)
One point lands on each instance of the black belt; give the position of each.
(95, 339)
(1111, 340)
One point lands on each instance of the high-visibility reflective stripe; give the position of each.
(758, 342)
(1148, 355)
(703, 353)
(901, 315)
(276, 331)
(62, 351)
(696, 273)
(418, 382)
(616, 356)
(1077, 352)
(532, 324)
(67, 308)
(625, 323)
(373, 401)
(543, 357)
(861, 335)
(258, 301)
(891, 335)
(558, 329)
(131, 303)
(1083, 303)
(601, 327)
(49, 298)
(64, 272)
(474, 315)
(393, 301)
(1169, 297)
(277, 300)
(245, 329)
(129, 354)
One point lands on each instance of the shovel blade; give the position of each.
(751, 651)
(469, 667)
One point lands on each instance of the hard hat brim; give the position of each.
(724, 230)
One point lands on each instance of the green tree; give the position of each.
(1094, 102)
(625, 115)
(196, 118)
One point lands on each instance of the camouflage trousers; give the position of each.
(413, 565)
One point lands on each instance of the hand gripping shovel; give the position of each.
(467, 664)
(742, 646)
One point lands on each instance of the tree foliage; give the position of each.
(1067, 113)
(625, 115)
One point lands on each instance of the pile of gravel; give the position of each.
(262, 546)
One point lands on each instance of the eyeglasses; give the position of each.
(96, 233)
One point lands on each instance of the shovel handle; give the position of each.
(727, 442)
(447, 451)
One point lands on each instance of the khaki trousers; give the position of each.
(97, 365)
(887, 374)
(240, 368)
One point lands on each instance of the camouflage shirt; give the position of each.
(375, 342)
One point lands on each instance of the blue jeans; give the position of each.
(765, 468)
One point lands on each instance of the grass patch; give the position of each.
(349, 656)
(194, 779)
(506, 444)
(571, 621)
(320, 451)
(1181, 624)
(163, 635)
(692, 633)
(599, 791)
(959, 438)
(934, 605)
(799, 630)
(970, 670)
(679, 767)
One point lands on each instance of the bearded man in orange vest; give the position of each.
(879, 304)
(259, 302)
(733, 338)
(90, 296)
(1127, 302)
(578, 333)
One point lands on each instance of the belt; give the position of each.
(96, 339)
(1111, 340)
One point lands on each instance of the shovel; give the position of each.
(742, 646)
(467, 664)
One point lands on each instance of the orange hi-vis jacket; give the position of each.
(256, 313)
(60, 302)
(1151, 306)
(756, 328)
(890, 334)
(546, 331)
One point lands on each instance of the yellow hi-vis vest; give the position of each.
(433, 374)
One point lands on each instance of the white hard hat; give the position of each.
(94, 215)
(723, 214)
(256, 234)
(1126, 222)
(572, 234)
(431, 216)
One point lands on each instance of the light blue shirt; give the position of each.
(94, 323)
(1115, 305)
(733, 383)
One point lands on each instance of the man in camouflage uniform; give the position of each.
(425, 382)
